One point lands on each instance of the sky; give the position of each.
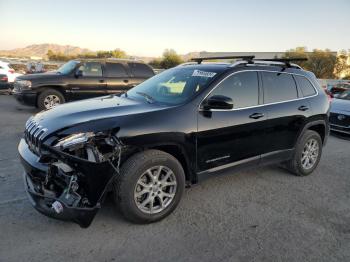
(148, 27)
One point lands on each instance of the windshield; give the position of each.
(67, 67)
(344, 95)
(173, 86)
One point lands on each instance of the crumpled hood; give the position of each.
(75, 113)
(339, 105)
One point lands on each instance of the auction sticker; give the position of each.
(203, 73)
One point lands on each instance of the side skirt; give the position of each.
(265, 159)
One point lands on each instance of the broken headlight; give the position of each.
(94, 147)
(74, 140)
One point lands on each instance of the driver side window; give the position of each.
(242, 88)
(91, 69)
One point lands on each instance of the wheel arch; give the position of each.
(55, 87)
(320, 127)
(173, 149)
(180, 154)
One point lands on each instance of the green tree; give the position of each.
(346, 77)
(156, 63)
(299, 52)
(170, 59)
(103, 54)
(320, 62)
(118, 53)
(341, 65)
(50, 55)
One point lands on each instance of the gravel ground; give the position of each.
(256, 215)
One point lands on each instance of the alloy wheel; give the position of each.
(310, 154)
(155, 189)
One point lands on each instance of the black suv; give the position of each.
(172, 130)
(80, 79)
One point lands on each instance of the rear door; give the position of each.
(117, 77)
(286, 109)
(90, 84)
(140, 72)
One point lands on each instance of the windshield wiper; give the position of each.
(149, 98)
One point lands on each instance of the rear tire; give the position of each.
(50, 98)
(307, 154)
(149, 187)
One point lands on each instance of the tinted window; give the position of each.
(91, 69)
(141, 70)
(242, 88)
(115, 70)
(304, 84)
(278, 87)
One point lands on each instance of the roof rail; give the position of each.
(284, 62)
(199, 60)
(281, 61)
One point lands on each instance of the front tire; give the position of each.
(149, 187)
(50, 98)
(307, 154)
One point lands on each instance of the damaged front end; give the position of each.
(68, 177)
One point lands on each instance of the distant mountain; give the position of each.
(40, 50)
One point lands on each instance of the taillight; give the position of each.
(11, 71)
(4, 78)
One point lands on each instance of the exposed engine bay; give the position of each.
(81, 167)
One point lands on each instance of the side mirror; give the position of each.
(78, 73)
(219, 102)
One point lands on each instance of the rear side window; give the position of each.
(91, 69)
(141, 70)
(242, 88)
(278, 87)
(115, 70)
(304, 84)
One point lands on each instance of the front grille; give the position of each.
(339, 119)
(33, 135)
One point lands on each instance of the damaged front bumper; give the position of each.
(66, 187)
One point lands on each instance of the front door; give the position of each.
(229, 137)
(89, 83)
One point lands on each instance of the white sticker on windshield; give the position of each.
(203, 73)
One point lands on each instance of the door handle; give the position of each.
(101, 81)
(256, 115)
(303, 108)
(126, 81)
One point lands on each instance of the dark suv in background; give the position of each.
(175, 128)
(80, 79)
